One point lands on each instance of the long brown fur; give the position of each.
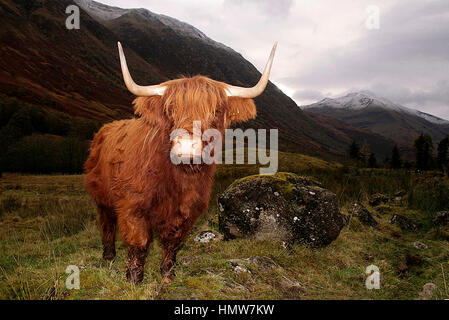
(133, 182)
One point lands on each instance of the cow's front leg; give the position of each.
(136, 264)
(134, 228)
(171, 239)
(168, 263)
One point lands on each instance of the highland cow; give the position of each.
(131, 178)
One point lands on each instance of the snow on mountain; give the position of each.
(364, 99)
(101, 11)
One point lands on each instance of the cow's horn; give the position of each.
(257, 90)
(146, 91)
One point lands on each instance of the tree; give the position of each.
(372, 161)
(443, 155)
(354, 151)
(364, 153)
(424, 150)
(396, 160)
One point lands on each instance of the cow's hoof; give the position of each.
(108, 254)
(134, 276)
(166, 280)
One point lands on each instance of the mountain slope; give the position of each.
(78, 72)
(367, 111)
(72, 71)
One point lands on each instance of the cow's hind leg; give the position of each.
(108, 227)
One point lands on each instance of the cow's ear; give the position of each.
(241, 109)
(150, 108)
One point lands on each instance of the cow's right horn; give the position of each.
(233, 91)
(141, 91)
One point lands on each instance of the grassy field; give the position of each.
(48, 223)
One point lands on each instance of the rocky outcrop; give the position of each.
(283, 207)
(365, 217)
(404, 223)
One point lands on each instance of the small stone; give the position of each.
(240, 269)
(403, 222)
(428, 291)
(205, 236)
(276, 194)
(364, 216)
(419, 245)
(291, 286)
(312, 193)
(238, 266)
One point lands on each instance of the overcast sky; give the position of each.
(325, 47)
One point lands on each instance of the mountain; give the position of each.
(368, 111)
(77, 72)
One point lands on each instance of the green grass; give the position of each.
(49, 222)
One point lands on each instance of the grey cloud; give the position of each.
(407, 60)
(278, 8)
(308, 94)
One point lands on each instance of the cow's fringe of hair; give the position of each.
(194, 99)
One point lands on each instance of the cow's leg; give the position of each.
(134, 229)
(171, 239)
(108, 227)
(136, 263)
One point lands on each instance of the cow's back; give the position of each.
(110, 151)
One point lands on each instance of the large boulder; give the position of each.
(283, 207)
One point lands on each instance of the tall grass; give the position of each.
(10, 203)
(429, 194)
(66, 218)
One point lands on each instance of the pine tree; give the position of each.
(424, 150)
(443, 155)
(354, 150)
(372, 161)
(396, 161)
(364, 153)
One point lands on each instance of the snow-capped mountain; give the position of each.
(367, 110)
(364, 99)
(104, 12)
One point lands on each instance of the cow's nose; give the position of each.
(187, 147)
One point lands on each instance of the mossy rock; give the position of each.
(283, 207)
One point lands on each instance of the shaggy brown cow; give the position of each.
(131, 178)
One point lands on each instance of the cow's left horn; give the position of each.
(146, 91)
(257, 90)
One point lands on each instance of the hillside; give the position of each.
(367, 111)
(77, 72)
(379, 145)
